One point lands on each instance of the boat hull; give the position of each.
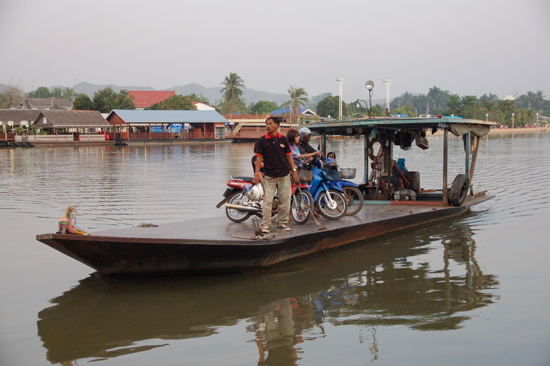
(217, 245)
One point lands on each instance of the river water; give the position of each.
(470, 291)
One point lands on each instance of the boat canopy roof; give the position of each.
(456, 125)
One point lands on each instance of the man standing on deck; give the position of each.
(274, 151)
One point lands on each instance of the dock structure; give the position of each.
(249, 127)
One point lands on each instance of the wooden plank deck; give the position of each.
(210, 245)
(221, 229)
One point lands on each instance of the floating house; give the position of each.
(68, 126)
(167, 124)
(10, 119)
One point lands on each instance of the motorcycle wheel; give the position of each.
(354, 199)
(301, 206)
(332, 213)
(235, 215)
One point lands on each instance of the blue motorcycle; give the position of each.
(329, 198)
(354, 196)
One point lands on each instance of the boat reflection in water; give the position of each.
(390, 282)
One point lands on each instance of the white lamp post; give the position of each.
(387, 82)
(340, 81)
(513, 114)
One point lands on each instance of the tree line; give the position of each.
(520, 111)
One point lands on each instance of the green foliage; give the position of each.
(438, 97)
(57, 92)
(355, 110)
(298, 98)
(82, 102)
(175, 102)
(488, 106)
(3, 102)
(330, 106)
(233, 106)
(454, 103)
(198, 98)
(41, 92)
(231, 90)
(378, 110)
(107, 99)
(12, 96)
(263, 107)
(44, 92)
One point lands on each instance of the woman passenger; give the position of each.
(293, 137)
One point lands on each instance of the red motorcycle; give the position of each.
(243, 198)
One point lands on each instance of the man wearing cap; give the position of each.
(274, 151)
(305, 147)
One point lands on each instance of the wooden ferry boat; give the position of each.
(218, 245)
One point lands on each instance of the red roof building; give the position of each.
(146, 98)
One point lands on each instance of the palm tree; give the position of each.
(231, 90)
(438, 97)
(539, 99)
(298, 97)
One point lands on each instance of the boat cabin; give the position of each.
(382, 134)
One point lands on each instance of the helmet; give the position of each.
(304, 131)
(256, 192)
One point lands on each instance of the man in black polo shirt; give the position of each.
(274, 151)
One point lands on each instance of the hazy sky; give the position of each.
(468, 47)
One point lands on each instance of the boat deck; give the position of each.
(219, 245)
(221, 229)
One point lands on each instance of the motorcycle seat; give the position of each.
(246, 179)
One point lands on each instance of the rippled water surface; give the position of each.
(471, 291)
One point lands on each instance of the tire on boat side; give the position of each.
(301, 206)
(236, 215)
(459, 190)
(325, 211)
(353, 194)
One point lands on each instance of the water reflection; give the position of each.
(426, 280)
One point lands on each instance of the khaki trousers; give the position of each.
(279, 187)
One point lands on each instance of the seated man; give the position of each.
(306, 148)
(398, 179)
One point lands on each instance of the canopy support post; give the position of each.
(324, 142)
(445, 165)
(468, 146)
(474, 159)
(366, 160)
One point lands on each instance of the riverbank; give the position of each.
(494, 131)
(128, 143)
(518, 130)
(509, 131)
